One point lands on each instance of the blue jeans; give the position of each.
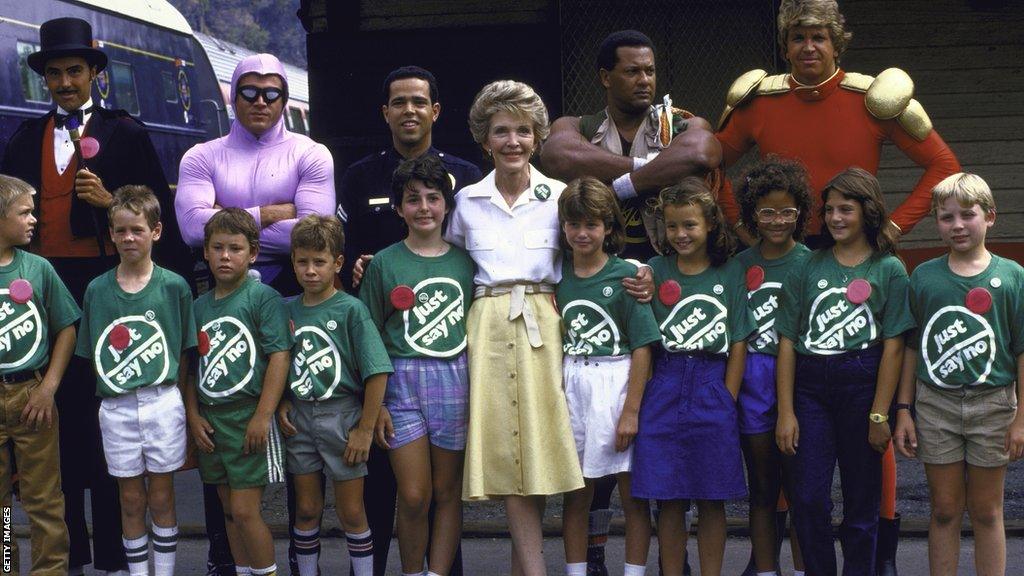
(832, 399)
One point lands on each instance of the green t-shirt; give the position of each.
(711, 312)
(817, 316)
(599, 318)
(435, 323)
(763, 298)
(241, 330)
(136, 340)
(337, 347)
(958, 346)
(26, 329)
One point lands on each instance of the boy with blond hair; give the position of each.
(136, 326)
(957, 401)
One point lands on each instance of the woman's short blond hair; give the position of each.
(968, 189)
(813, 13)
(509, 96)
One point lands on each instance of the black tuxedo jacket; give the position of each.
(126, 156)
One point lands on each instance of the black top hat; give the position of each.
(62, 37)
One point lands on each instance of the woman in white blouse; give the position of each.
(520, 445)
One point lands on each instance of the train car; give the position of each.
(157, 70)
(224, 56)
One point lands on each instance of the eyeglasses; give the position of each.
(769, 215)
(251, 93)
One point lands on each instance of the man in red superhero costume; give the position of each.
(830, 119)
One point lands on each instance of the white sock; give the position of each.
(634, 570)
(768, 573)
(307, 550)
(576, 569)
(165, 547)
(360, 552)
(137, 553)
(269, 570)
(798, 573)
(433, 574)
(243, 571)
(412, 573)
(108, 573)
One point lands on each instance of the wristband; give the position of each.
(902, 406)
(639, 163)
(623, 186)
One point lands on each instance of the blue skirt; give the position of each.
(688, 443)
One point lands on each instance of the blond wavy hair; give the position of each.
(510, 96)
(813, 13)
(968, 189)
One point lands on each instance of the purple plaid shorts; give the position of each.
(429, 396)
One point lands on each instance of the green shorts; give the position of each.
(227, 464)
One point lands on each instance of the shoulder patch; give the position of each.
(889, 94)
(915, 121)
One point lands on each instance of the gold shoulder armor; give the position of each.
(889, 94)
(915, 120)
(856, 82)
(754, 82)
(740, 90)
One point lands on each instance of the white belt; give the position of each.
(518, 306)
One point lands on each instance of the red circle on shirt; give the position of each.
(120, 337)
(669, 292)
(858, 291)
(755, 277)
(402, 297)
(20, 291)
(90, 147)
(978, 300)
(203, 343)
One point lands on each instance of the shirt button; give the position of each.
(815, 93)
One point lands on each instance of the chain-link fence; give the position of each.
(701, 47)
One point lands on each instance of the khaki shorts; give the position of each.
(967, 424)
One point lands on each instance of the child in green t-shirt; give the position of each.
(136, 327)
(957, 404)
(244, 348)
(337, 356)
(841, 322)
(37, 326)
(688, 446)
(606, 363)
(418, 292)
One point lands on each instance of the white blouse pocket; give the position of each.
(541, 238)
(478, 239)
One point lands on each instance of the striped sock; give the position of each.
(307, 550)
(165, 547)
(268, 571)
(136, 550)
(634, 570)
(360, 552)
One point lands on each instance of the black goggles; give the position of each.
(251, 93)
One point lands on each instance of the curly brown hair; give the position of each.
(588, 198)
(773, 174)
(694, 191)
(862, 187)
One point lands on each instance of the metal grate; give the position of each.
(701, 47)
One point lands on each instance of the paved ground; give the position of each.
(489, 556)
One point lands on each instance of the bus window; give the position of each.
(123, 79)
(33, 86)
(170, 87)
(297, 124)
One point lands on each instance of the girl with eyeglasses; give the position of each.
(775, 200)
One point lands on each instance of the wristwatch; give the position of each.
(878, 418)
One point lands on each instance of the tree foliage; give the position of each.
(260, 25)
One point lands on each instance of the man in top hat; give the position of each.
(73, 196)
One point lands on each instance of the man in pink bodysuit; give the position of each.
(275, 175)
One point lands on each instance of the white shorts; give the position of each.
(144, 431)
(595, 390)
